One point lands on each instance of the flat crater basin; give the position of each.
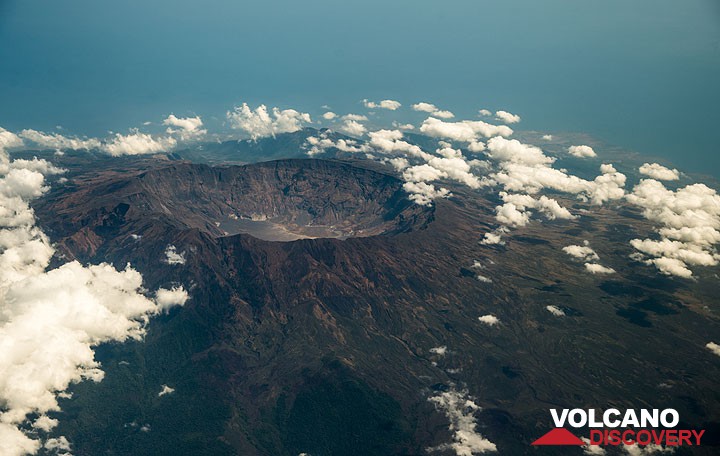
(282, 200)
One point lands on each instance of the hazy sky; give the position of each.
(643, 74)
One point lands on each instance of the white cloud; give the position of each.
(9, 140)
(598, 268)
(433, 110)
(515, 211)
(513, 151)
(493, 238)
(485, 112)
(52, 319)
(460, 411)
(45, 423)
(507, 117)
(439, 350)
(406, 127)
(189, 128)
(476, 146)
(353, 128)
(490, 320)
(423, 193)
(319, 144)
(58, 444)
(653, 448)
(586, 254)
(453, 165)
(59, 142)
(172, 256)
(137, 143)
(165, 390)
(260, 123)
(391, 105)
(421, 173)
(465, 131)
(391, 142)
(329, 115)
(424, 107)
(582, 151)
(555, 310)
(592, 450)
(355, 117)
(166, 299)
(659, 172)
(713, 347)
(547, 137)
(689, 220)
(581, 252)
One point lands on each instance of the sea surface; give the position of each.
(641, 74)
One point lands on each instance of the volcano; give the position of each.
(330, 315)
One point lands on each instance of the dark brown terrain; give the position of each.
(323, 345)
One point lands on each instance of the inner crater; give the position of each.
(276, 201)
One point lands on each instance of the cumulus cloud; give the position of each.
(423, 193)
(59, 142)
(439, 350)
(355, 117)
(452, 163)
(555, 310)
(653, 448)
(406, 127)
(133, 143)
(391, 105)
(391, 142)
(9, 140)
(490, 320)
(172, 256)
(507, 117)
(586, 254)
(659, 172)
(493, 238)
(713, 347)
(187, 128)
(329, 115)
(595, 268)
(465, 131)
(592, 450)
(316, 145)
(689, 220)
(52, 318)
(57, 445)
(137, 143)
(582, 151)
(352, 128)
(445, 163)
(513, 151)
(260, 123)
(165, 390)
(460, 411)
(524, 170)
(547, 137)
(515, 211)
(433, 110)
(581, 252)
(166, 299)
(485, 112)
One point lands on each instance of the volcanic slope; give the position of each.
(322, 344)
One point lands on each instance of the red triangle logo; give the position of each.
(559, 436)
